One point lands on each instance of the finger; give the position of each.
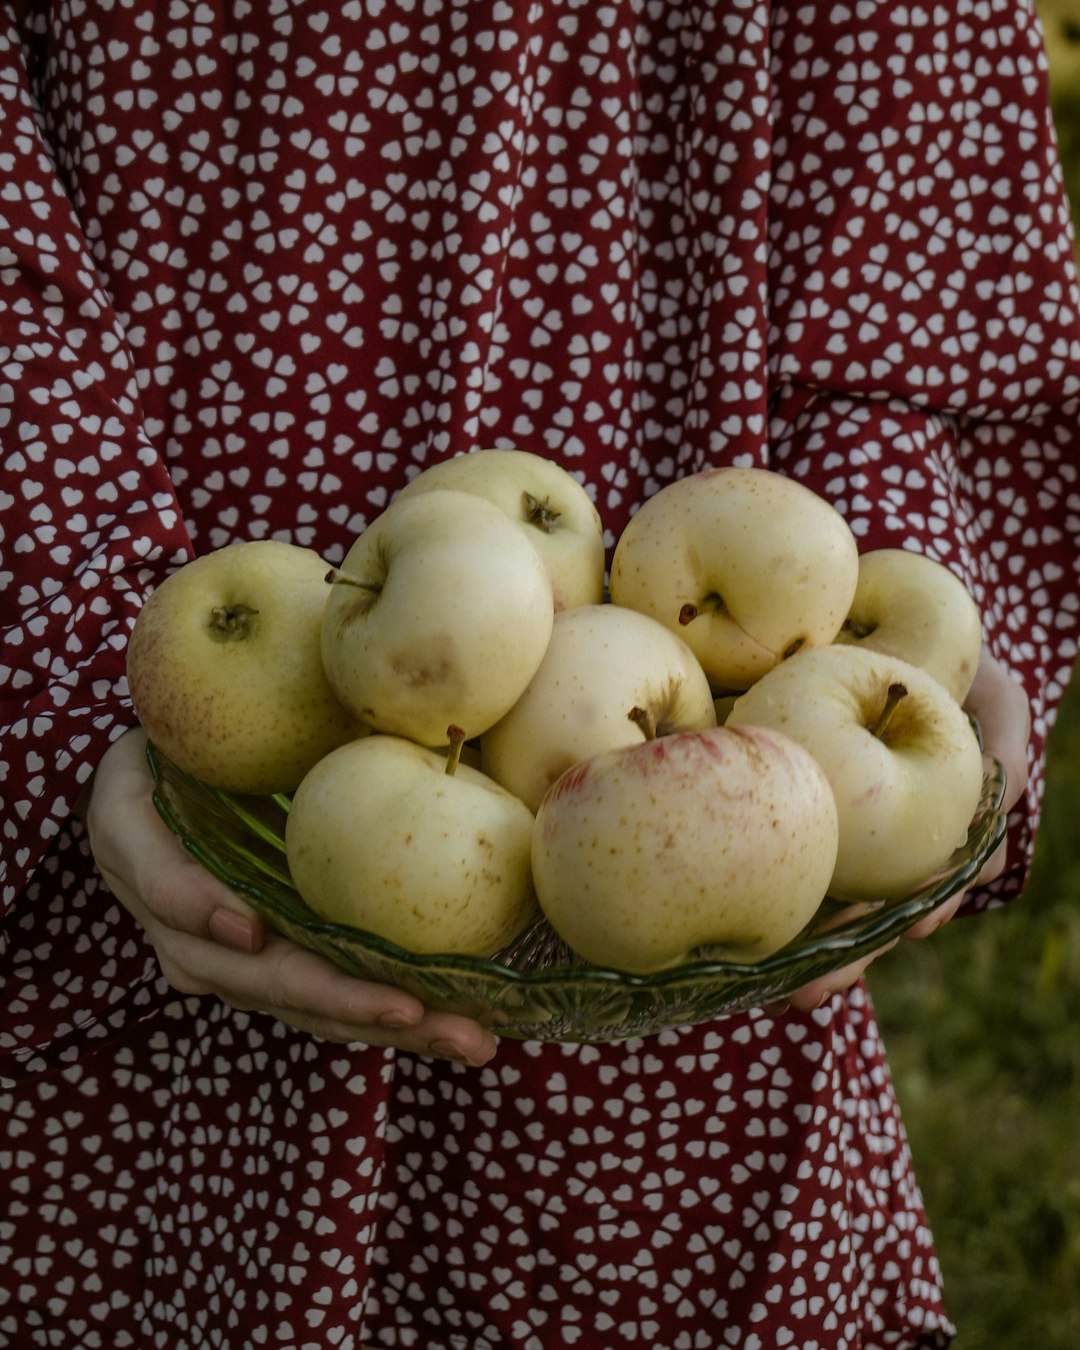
(177, 951)
(304, 990)
(1000, 705)
(437, 1037)
(817, 992)
(232, 927)
(146, 866)
(995, 864)
(182, 895)
(293, 979)
(936, 919)
(308, 993)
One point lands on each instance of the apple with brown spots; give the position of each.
(715, 841)
(902, 757)
(225, 668)
(388, 836)
(746, 565)
(439, 616)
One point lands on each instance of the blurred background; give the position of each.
(982, 1024)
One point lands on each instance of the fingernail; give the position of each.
(232, 930)
(448, 1050)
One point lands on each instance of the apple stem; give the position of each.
(896, 692)
(457, 740)
(231, 621)
(540, 513)
(644, 719)
(711, 604)
(857, 628)
(336, 578)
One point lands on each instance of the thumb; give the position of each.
(145, 865)
(181, 894)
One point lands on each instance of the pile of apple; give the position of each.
(757, 718)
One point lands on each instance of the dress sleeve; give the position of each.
(88, 517)
(926, 313)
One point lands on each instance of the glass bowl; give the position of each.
(536, 989)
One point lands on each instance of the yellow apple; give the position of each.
(722, 840)
(439, 616)
(225, 668)
(546, 501)
(747, 565)
(910, 606)
(904, 762)
(388, 836)
(603, 664)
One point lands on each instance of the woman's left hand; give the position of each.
(1000, 705)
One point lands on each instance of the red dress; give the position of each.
(262, 263)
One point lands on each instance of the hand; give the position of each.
(209, 942)
(999, 703)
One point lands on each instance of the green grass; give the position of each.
(982, 1025)
(1061, 25)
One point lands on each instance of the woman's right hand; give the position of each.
(209, 942)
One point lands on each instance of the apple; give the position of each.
(910, 606)
(546, 501)
(903, 759)
(747, 565)
(225, 669)
(602, 663)
(391, 837)
(439, 615)
(722, 840)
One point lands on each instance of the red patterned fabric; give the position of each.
(260, 264)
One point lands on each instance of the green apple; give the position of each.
(546, 501)
(602, 664)
(722, 840)
(904, 762)
(388, 836)
(225, 669)
(439, 616)
(747, 565)
(910, 606)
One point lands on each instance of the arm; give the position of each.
(926, 353)
(926, 348)
(88, 516)
(91, 523)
